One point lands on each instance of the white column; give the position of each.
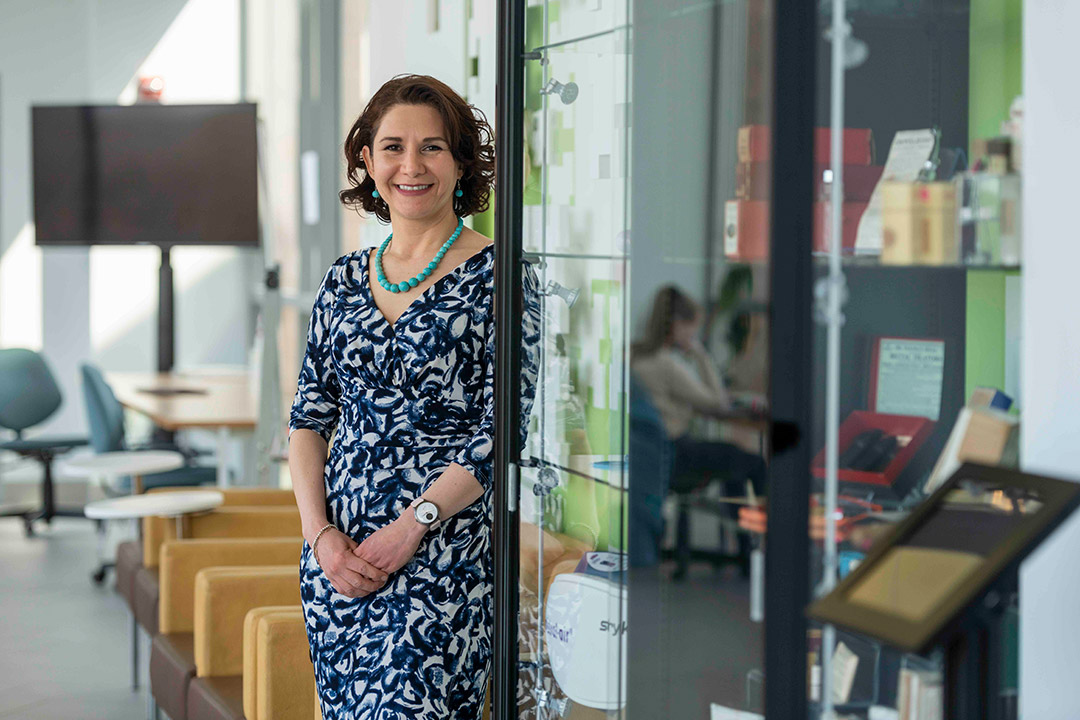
(66, 330)
(1050, 360)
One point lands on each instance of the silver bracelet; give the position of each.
(315, 543)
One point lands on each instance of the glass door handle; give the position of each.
(513, 486)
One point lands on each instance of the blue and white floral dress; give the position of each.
(406, 401)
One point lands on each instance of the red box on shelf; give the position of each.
(859, 421)
(746, 230)
(852, 213)
(752, 181)
(754, 144)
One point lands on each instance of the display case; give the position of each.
(776, 254)
(927, 295)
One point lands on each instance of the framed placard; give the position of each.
(933, 567)
(906, 376)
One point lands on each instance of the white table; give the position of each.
(124, 462)
(110, 465)
(172, 504)
(223, 402)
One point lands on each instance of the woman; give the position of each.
(398, 384)
(674, 368)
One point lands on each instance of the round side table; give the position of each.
(109, 465)
(171, 505)
(124, 462)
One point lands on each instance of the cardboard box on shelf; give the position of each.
(988, 397)
(919, 695)
(919, 223)
(980, 434)
(746, 228)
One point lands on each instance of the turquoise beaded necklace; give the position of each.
(420, 276)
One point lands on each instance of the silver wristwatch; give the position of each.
(426, 513)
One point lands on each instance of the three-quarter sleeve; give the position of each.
(475, 456)
(316, 405)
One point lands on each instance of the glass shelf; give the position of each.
(868, 261)
(535, 462)
(533, 256)
(533, 54)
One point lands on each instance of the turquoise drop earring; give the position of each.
(458, 192)
(375, 194)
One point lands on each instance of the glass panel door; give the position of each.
(699, 361)
(573, 535)
(643, 479)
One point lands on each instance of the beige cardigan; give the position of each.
(681, 385)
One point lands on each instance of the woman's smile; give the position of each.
(411, 190)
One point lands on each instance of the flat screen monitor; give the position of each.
(918, 582)
(145, 174)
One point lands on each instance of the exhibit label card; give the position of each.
(909, 377)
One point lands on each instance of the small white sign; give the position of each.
(909, 377)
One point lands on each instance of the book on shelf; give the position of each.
(920, 695)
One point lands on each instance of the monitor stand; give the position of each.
(166, 319)
(166, 333)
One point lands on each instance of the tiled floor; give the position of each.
(64, 641)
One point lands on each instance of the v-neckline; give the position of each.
(371, 295)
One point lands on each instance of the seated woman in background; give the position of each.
(671, 363)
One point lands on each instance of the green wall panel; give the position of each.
(996, 64)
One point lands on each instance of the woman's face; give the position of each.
(411, 163)
(684, 332)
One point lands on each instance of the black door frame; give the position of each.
(509, 181)
(787, 551)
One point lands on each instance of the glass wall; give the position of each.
(699, 361)
(639, 595)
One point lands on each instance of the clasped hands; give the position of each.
(359, 569)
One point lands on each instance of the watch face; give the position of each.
(427, 513)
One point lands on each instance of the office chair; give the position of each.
(29, 395)
(105, 416)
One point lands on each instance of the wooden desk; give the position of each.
(221, 402)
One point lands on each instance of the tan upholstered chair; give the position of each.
(245, 521)
(131, 571)
(223, 598)
(129, 555)
(279, 680)
(173, 653)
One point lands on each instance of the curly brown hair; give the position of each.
(469, 136)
